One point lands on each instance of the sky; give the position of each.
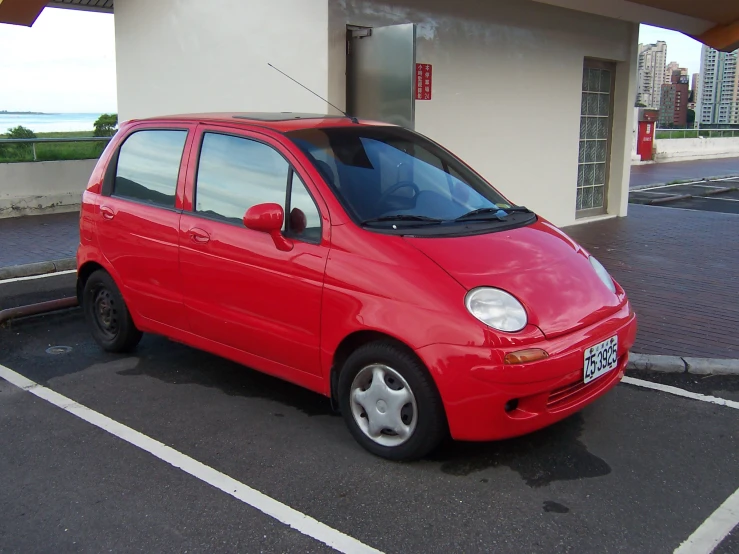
(680, 48)
(66, 62)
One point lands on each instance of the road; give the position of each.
(637, 471)
(662, 173)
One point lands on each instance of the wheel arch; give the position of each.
(356, 340)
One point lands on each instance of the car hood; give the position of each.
(538, 264)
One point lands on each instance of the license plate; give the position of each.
(600, 359)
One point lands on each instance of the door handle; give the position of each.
(107, 212)
(199, 236)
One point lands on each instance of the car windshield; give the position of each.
(384, 175)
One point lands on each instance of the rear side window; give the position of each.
(235, 174)
(149, 166)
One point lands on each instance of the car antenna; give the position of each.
(351, 117)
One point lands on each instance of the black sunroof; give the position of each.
(284, 116)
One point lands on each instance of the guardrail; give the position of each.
(696, 133)
(34, 141)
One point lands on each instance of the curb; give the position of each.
(38, 268)
(678, 364)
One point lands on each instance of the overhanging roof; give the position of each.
(25, 12)
(713, 22)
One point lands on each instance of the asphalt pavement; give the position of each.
(671, 172)
(637, 471)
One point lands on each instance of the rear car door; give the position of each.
(138, 220)
(239, 289)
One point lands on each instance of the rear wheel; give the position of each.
(390, 403)
(107, 314)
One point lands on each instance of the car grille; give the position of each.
(568, 395)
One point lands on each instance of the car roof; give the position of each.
(278, 121)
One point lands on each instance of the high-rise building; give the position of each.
(651, 73)
(671, 67)
(695, 89)
(673, 110)
(719, 88)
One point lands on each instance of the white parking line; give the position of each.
(285, 514)
(718, 198)
(714, 530)
(33, 277)
(721, 180)
(680, 392)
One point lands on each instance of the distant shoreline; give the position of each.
(4, 112)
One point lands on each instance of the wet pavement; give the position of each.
(636, 471)
(670, 172)
(38, 238)
(679, 269)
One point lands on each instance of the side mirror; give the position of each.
(268, 218)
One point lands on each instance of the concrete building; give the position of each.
(673, 111)
(562, 149)
(651, 67)
(695, 90)
(669, 69)
(719, 100)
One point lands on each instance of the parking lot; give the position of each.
(170, 431)
(719, 195)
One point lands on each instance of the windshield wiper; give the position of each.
(492, 213)
(404, 217)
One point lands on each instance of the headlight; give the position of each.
(603, 274)
(496, 308)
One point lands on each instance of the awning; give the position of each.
(25, 12)
(712, 22)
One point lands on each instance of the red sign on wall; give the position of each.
(424, 79)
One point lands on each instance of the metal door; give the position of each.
(381, 65)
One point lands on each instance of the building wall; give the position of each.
(177, 56)
(507, 89)
(507, 76)
(43, 187)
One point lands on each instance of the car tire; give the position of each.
(404, 405)
(107, 314)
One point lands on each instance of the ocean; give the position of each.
(49, 123)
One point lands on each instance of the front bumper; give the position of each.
(487, 400)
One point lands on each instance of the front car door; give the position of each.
(138, 220)
(239, 289)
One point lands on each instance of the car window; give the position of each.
(305, 219)
(149, 166)
(386, 171)
(236, 173)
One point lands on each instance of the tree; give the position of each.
(691, 119)
(105, 125)
(18, 151)
(640, 105)
(21, 132)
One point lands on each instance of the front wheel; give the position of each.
(390, 403)
(107, 314)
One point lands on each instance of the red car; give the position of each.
(359, 260)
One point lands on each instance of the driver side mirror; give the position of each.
(268, 218)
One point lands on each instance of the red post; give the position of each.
(645, 134)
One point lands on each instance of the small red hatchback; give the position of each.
(359, 260)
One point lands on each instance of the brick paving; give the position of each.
(38, 238)
(649, 174)
(680, 269)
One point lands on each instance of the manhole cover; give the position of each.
(58, 350)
